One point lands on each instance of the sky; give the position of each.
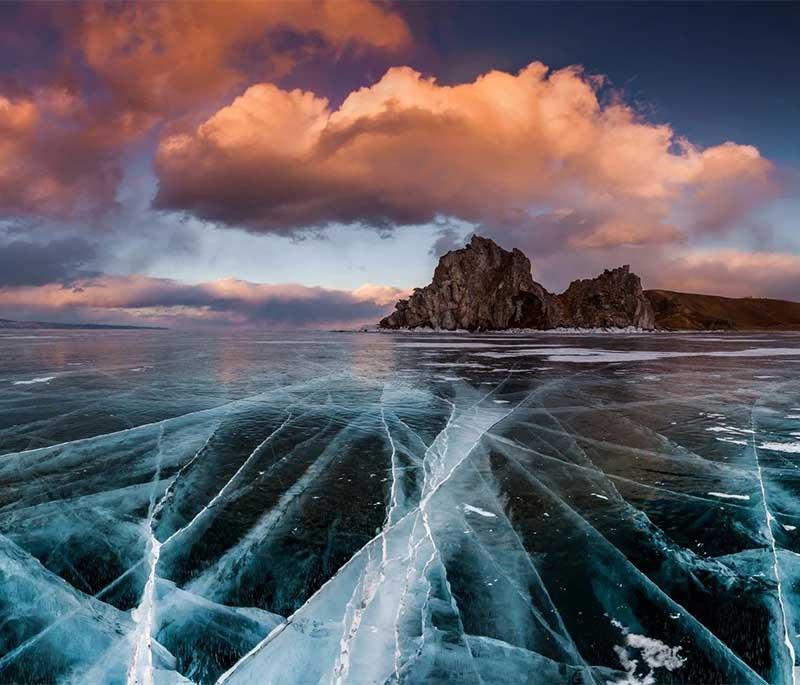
(304, 164)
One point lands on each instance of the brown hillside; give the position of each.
(704, 312)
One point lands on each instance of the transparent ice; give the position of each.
(361, 508)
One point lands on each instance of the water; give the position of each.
(364, 508)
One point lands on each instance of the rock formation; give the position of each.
(614, 299)
(483, 287)
(480, 287)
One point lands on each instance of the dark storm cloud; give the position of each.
(27, 263)
(447, 239)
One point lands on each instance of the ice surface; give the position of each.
(246, 508)
(790, 447)
(595, 355)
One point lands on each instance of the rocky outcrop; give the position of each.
(483, 287)
(614, 299)
(478, 288)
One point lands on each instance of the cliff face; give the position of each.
(614, 299)
(484, 287)
(481, 287)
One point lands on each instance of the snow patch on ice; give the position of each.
(654, 653)
(480, 512)
(789, 447)
(728, 495)
(42, 379)
(730, 429)
(733, 441)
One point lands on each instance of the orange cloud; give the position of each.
(407, 149)
(58, 155)
(380, 294)
(60, 147)
(167, 54)
(732, 273)
(628, 230)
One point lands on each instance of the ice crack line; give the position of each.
(225, 488)
(414, 514)
(395, 484)
(368, 585)
(35, 639)
(227, 407)
(715, 642)
(141, 668)
(769, 518)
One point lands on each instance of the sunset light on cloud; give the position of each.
(154, 128)
(406, 150)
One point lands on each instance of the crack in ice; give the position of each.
(380, 537)
(223, 491)
(646, 581)
(768, 519)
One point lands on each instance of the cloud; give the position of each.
(161, 56)
(732, 273)
(58, 154)
(111, 72)
(380, 294)
(225, 301)
(447, 239)
(59, 261)
(504, 151)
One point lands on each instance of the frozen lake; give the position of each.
(394, 508)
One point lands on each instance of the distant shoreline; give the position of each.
(12, 325)
(569, 331)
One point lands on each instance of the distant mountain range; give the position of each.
(483, 287)
(39, 325)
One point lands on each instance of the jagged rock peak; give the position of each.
(614, 299)
(484, 287)
(479, 287)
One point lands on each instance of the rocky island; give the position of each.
(483, 287)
